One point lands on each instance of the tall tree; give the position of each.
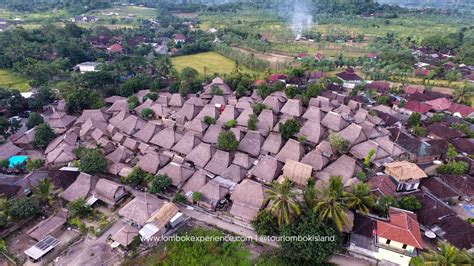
(360, 198)
(284, 204)
(447, 255)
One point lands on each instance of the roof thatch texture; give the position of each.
(219, 162)
(272, 144)
(95, 114)
(176, 100)
(353, 133)
(186, 144)
(251, 143)
(345, 166)
(212, 133)
(315, 159)
(177, 172)
(266, 122)
(119, 117)
(141, 208)
(297, 172)
(334, 121)
(244, 117)
(188, 111)
(196, 125)
(293, 150)
(48, 226)
(243, 160)
(313, 113)
(107, 191)
(147, 132)
(201, 154)
(152, 162)
(81, 188)
(166, 138)
(125, 235)
(245, 103)
(229, 113)
(146, 104)
(195, 182)
(161, 217)
(361, 150)
(275, 103)
(404, 170)
(247, 199)
(209, 110)
(293, 107)
(312, 131)
(131, 125)
(234, 173)
(120, 155)
(267, 169)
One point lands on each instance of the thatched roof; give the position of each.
(325, 148)
(146, 104)
(244, 117)
(313, 113)
(209, 110)
(141, 208)
(334, 121)
(163, 98)
(315, 159)
(116, 119)
(275, 103)
(243, 160)
(196, 125)
(176, 100)
(106, 191)
(201, 154)
(218, 82)
(188, 111)
(195, 101)
(81, 188)
(177, 172)
(234, 173)
(131, 125)
(95, 114)
(312, 131)
(266, 122)
(293, 150)
(403, 171)
(195, 182)
(69, 139)
(247, 199)
(166, 138)
(293, 107)
(131, 144)
(392, 148)
(251, 143)
(125, 235)
(90, 125)
(60, 120)
(343, 110)
(214, 191)
(48, 226)
(186, 144)
(212, 133)
(160, 110)
(345, 166)
(161, 217)
(147, 132)
(229, 113)
(8, 150)
(245, 103)
(353, 133)
(361, 150)
(219, 162)
(297, 172)
(267, 169)
(272, 144)
(61, 155)
(321, 102)
(152, 162)
(218, 99)
(120, 155)
(282, 120)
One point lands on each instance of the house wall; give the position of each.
(119, 193)
(388, 255)
(395, 244)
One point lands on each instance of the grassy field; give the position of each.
(209, 62)
(9, 80)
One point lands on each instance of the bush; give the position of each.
(160, 183)
(289, 128)
(33, 120)
(196, 196)
(420, 131)
(179, 198)
(338, 143)
(146, 113)
(227, 141)
(252, 122)
(258, 108)
(216, 91)
(151, 95)
(34, 164)
(384, 203)
(291, 92)
(436, 118)
(453, 168)
(92, 161)
(79, 208)
(22, 208)
(135, 178)
(361, 176)
(43, 135)
(409, 203)
(230, 124)
(132, 102)
(209, 120)
(414, 120)
(265, 224)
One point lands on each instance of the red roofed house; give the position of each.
(179, 38)
(417, 107)
(349, 75)
(421, 72)
(116, 48)
(275, 77)
(379, 86)
(302, 55)
(413, 89)
(462, 109)
(399, 238)
(318, 56)
(439, 104)
(372, 56)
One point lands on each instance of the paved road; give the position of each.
(244, 231)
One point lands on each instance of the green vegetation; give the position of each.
(13, 81)
(338, 143)
(446, 254)
(160, 183)
(284, 204)
(209, 120)
(33, 120)
(453, 168)
(34, 164)
(92, 161)
(289, 128)
(79, 208)
(226, 141)
(205, 63)
(43, 135)
(136, 177)
(252, 122)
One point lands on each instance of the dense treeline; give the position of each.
(47, 5)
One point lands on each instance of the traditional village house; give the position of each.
(195, 182)
(344, 166)
(321, 102)
(51, 226)
(166, 138)
(218, 100)
(146, 104)
(178, 173)
(234, 173)
(118, 106)
(268, 168)
(60, 121)
(212, 133)
(293, 150)
(8, 150)
(275, 103)
(186, 144)
(229, 113)
(272, 144)
(406, 174)
(94, 114)
(81, 188)
(124, 236)
(293, 107)
(245, 103)
(243, 160)
(201, 155)
(25, 140)
(196, 126)
(219, 162)
(247, 198)
(215, 191)
(334, 121)
(315, 159)
(140, 209)
(349, 76)
(109, 191)
(244, 117)
(312, 131)
(151, 162)
(176, 100)
(252, 143)
(219, 83)
(209, 110)
(298, 173)
(313, 113)
(131, 124)
(353, 133)
(266, 121)
(147, 132)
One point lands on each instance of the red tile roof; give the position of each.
(115, 48)
(439, 104)
(402, 227)
(464, 110)
(413, 89)
(422, 72)
(418, 107)
(382, 185)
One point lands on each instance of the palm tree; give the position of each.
(332, 203)
(463, 94)
(360, 198)
(163, 66)
(447, 255)
(309, 194)
(284, 204)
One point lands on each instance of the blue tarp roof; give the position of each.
(18, 159)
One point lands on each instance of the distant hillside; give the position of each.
(443, 4)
